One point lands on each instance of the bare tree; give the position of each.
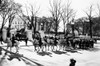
(56, 13)
(98, 8)
(14, 9)
(89, 15)
(5, 9)
(48, 24)
(31, 16)
(67, 14)
(8, 9)
(3, 4)
(4, 12)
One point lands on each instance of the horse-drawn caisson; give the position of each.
(50, 42)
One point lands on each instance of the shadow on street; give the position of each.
(44, 53)
(59, 52)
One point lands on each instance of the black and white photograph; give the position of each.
(49, 32)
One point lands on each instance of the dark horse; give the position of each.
(21, 37)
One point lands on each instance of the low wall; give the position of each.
(29, 34)
(4, 34)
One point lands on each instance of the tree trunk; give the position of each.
(64, 30)
(83, 28)
(2, 27)
(32, 19)
(35, 25)
(8, 31)
(90, 28)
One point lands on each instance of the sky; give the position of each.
(78, 5)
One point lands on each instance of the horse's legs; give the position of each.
(38, 48)
(45, 47)
(41, 47)
(16, 49)
(60, 47)
(10, 48)
(56, 47)
(35, 48)
(48, 47)
(26, 42)
(52, 47)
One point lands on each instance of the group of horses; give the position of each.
(44, 44)
(61, 43)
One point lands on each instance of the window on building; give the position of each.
(20, 22)
(15, 22)
(42, 28)
(20, 26)
(15, 26)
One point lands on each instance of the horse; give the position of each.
(35, 44)
(50, 43)
(10, 44)
(45, 42)
(22, 37)
(62, 43)
(37, 41)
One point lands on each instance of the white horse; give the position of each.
(35, 44)
(44, 44)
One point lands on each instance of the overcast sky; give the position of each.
(78, 5)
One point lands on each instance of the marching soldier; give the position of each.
(91, 43)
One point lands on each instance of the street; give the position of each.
(55, 58)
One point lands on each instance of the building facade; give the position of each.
(17, 23)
